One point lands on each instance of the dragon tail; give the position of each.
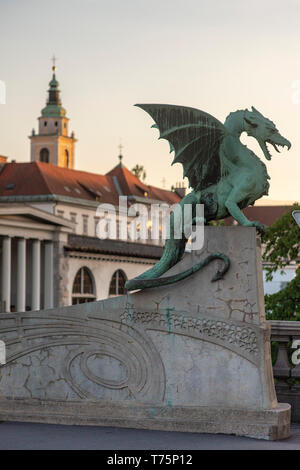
(143, 282)
(173, 252)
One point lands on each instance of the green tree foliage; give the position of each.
(140, 172)
(217, 223)
(282, 247)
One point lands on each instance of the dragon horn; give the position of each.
(257, 112)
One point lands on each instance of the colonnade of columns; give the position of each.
(21, 274)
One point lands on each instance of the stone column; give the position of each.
(36, 275)
(60, 268)
(48, 277)
(6, 272)
(21, 275)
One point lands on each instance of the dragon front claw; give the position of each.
(259, 227)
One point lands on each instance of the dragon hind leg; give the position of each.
(234, 210)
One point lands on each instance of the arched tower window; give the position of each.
(117, 283)
(66, 158)
(44, 155)
(83, 287)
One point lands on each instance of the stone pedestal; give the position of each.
(193, 356)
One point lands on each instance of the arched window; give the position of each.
(83, 287)
(44, 155)
(117, 283)
(66, 158)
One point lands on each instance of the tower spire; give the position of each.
(120, 154)
(53, 92)
(54, 61)
(53, 105)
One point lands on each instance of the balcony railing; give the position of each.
(286, 372)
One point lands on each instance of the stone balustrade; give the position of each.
(286, 374)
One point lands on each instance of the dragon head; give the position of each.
(264, 131)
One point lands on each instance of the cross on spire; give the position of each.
(120, 154)
(54, 61)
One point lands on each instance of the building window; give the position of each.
(85, 221)
(96, 225)
(83, 287)
(45, 123)
(117, 283)
(56, 123)
(73, 217)
(44, 155)
(66, 158)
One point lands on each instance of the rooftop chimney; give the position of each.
(180, 189)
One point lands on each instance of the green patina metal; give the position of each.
(127, 311)
(52, 110)
(169, 311)
(53, 107)
(144, 283)
(224, 174)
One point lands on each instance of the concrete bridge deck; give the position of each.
(35, 436)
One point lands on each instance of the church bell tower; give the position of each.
(52, 144)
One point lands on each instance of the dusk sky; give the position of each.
(216, 56)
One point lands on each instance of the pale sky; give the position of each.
(216, 56)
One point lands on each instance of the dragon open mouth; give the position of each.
(265, 147)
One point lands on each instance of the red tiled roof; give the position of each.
(163, 195)
(128, 182)
(131, 185)
(267, 215)
(38, 178)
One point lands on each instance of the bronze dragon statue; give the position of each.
(224, 174)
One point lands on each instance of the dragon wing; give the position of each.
(194, 136)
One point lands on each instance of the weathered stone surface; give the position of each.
(268, 424)
(194, 356)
